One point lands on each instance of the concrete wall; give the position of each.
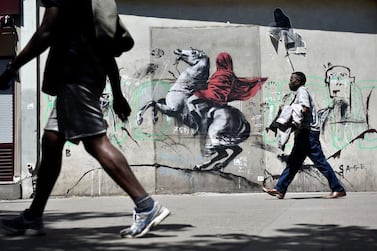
(164, 154)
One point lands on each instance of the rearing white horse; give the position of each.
(190, 80)
(226, 126)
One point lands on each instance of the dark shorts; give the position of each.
(77, 113)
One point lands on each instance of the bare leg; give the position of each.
(115, 164)
(48, 173)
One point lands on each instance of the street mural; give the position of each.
(344, 122)
(202, 104)
(221, 113)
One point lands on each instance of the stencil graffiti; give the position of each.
(281, 32)
(207, 111)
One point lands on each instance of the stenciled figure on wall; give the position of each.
(202, 104)
(222, 87)
(282, 31)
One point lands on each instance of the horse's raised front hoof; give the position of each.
(139, 119)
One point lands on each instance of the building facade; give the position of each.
(333, 43)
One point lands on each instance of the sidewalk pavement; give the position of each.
(206, 222)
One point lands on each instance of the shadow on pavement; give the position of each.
(164, 237)
(304, 237)
(308, 198)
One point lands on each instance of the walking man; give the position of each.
(75, 73)
(306, 144)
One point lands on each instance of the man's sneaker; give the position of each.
(20, 225)
(143, 221)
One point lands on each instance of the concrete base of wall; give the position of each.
(177, 181)
(10, 191)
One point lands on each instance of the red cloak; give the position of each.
(224, 86)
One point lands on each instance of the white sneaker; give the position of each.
(144, 221)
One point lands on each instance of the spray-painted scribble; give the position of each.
(359, 137)
(350, 168)
(225, 126)
(339, 82)
(346, 116)
(157, 53)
